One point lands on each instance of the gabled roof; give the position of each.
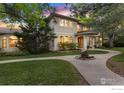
(5, 30)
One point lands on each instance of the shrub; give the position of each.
(17, 53)
(119, 42)
(68, 46)
(105, 44)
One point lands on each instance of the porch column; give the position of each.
(85, 42)
(75, 39)
(7, 42)
(93, 42)
(56, 43)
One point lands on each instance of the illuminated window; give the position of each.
(70, 39)
(65, 23)
(61, 39)
(4, 42)
(61, 22)
(78, 28)
(66, 39)
(70, 23)
(85, 29)
(12, 41)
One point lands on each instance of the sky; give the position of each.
(61, 8)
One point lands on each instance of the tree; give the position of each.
(106, 18)
(36, 32)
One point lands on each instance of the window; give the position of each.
(66, 39)
(61, 39)
(70, 40)
(65, 23)
(61, 22)
(85, 29)
(12, 41)
(78, 28)
(70, 23)
(4, 42)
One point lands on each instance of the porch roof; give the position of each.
(4, 30)
(87, 33)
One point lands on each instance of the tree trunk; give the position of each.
(111, 41)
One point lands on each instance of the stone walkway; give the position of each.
(94, 71)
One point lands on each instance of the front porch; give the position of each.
(83, 40)
(88, 39)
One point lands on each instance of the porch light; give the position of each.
(100, 39)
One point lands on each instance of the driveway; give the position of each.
(94, 71)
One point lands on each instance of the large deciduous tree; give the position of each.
(36, 32)
(105, 18)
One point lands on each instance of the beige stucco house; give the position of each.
(67, 30)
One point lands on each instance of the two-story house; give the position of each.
(67, 30)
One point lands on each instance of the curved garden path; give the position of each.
(94, 71)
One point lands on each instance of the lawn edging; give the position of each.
(114, 65)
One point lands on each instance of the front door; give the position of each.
(80, 42)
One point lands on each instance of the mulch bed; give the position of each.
(117, 67)
(85, 58)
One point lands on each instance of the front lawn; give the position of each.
(120, 57)
(116, 63)
(42, 72)
(49, 54)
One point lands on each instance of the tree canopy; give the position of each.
(105, 18)
(36, 32)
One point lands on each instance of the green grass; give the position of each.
(116, 63)
(42, 72)
(50, 54)
(120, 57)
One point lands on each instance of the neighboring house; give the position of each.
(67, 30)
(7, 39)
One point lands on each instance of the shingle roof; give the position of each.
(4, 30)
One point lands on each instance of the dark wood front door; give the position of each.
(80, 42)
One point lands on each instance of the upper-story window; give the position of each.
(65, 23)
(78, 28)
(85, 28)
(61, 22)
